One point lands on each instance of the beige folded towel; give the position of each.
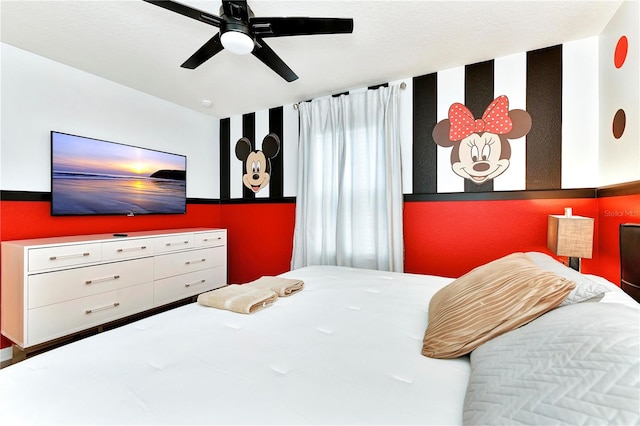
(282, 286)
(238, 298)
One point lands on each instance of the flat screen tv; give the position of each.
(96, 177)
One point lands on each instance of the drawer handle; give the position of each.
(69, 256)
(131, 249)
(195, 283)
(629, 284)
(191, 262)
(102, 308)
(99, 280)
(178, 243)
(206, 240)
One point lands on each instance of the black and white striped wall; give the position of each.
(282, 121)
(557, 85)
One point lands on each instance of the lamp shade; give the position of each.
(570, 236)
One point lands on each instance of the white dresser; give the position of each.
(54, 287)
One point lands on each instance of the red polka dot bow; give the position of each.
(494, 120)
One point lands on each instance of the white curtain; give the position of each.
(349, 202)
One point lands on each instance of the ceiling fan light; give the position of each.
(237, 42)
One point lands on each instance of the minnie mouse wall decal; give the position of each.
(481, 149)
(258, 162)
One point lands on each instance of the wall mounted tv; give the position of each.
(96, 177)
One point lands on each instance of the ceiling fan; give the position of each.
(241, 32)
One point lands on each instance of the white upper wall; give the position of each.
(619, 159)
(580, 114)
(40, 95)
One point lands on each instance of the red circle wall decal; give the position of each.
(619, 123)
(620, 54)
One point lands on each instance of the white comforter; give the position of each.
(576, 365)
(345, 350)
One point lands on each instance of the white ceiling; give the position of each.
(142, 46)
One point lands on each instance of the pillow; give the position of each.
(585, 288)
(577, 365)
(488, 301)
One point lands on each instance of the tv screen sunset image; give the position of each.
(91, 176)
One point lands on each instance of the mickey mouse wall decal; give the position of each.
(481, 149)
(258, 162)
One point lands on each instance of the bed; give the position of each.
(347, 349)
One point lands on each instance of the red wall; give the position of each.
(260, 239)
(441, 237)
(449, 238)
(29, 219)
(446, 238)
(612, 211)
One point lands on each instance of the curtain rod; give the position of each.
(403, 86)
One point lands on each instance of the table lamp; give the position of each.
(570, 236)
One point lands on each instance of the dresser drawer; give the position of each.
(126, 249)
(55, 287)
(173, 243)
(211, 239)
(41, 259)
(170, 265)
(176, 288)
(52, 321)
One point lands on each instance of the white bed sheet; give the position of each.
(345, 350)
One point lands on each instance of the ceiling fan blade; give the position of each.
(282, 27)
(268, 57)
(188, 11)
(205, 53)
